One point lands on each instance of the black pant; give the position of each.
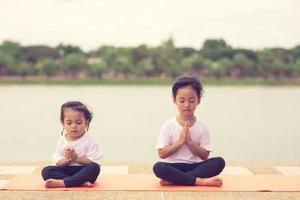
(186, 174)
(73, 175)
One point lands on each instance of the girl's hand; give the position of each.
(64, 162)
(74, 156)
(189, 141)
(184, 133)
(188, 137)
(68, 153)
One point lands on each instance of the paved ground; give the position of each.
(137, 168)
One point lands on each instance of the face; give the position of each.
(74, 123)
(186, 101)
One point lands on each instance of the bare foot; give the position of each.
(164, 182)
(87, 184)
(54, 183)
(213, 181)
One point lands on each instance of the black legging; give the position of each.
(186, 174)
(72, 175)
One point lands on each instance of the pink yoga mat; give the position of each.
(148, 182)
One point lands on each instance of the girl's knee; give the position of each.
(94, 171)
(46, 171)
(95, 167)
(221, 162)
(159, 168)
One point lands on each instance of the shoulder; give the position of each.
(61, 142)
(170, 123)
(169, 127)
(61, 139)
(90, 138)
(201, 126)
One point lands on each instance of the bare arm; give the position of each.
(67, 159)
(69, 156)
(83, 160)
(172, 148)
(196, 149)
(63, 162)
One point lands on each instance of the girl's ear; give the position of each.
(87, 125)
(174, 99)
(199, 100)
(62, 131)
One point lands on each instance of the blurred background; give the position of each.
(120, 58)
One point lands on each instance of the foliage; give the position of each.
(214, 60)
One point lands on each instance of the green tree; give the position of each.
(265, 62)
(185, 52)
(145, 67)
(6, 63)
(216, 49)
(250, 54)
(139, 53)
(282, 55)
(164, 58)
(11, 54)
(97, 69)
(296, 67)
(124, 66)
(109, 55)
(64, 50)
(242, 66)
(39, 52)
(48, 67)
(222, 68)
(295, 53)
(195, 64)
(174, 70)
(13, 49)
(24, 69)
(74, 63)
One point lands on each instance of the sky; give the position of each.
(89, 24)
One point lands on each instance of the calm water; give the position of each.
(247, 124)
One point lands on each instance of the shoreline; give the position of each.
(246, 82)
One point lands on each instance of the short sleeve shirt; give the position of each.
(170, 133)
(86, 145)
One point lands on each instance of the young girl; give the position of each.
(184, 142)
(77, 156)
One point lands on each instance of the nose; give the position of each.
(73, 125)
(186, 104)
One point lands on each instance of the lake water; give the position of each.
(247, 124)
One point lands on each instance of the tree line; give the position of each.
(216, 59)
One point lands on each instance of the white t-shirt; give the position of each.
(86, 145)
(170, 133)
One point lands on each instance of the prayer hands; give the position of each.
(185, 134)
(70, 154)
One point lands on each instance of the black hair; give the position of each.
(187, 80)
(78, 106)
